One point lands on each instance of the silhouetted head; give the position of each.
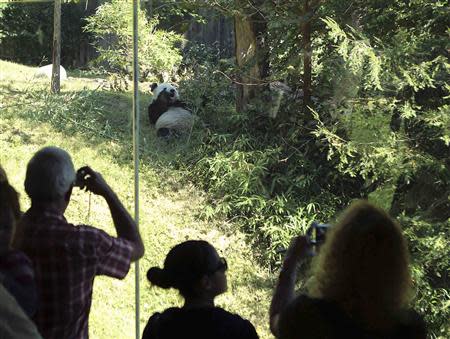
(364, 263)
(50, 175)
(9, 211)
(194, 268)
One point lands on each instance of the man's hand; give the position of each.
(298, 249)
(94, 182)
(123, 222)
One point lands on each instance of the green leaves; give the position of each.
(429, 244)
(360, 58)
(111, 26)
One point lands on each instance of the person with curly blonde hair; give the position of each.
(359, 286)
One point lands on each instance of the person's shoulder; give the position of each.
(93, 234)
(87, 235)
(212, 315)
(204, 322)
(167, 315)
(89, 241)
(84, 232)
(242, 327)
(83, 239)
(168, 312)
(412, 324)
(310, 316)
(307, 303)
(152, 321)
(156, 319)
(220, 312)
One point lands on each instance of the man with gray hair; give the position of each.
(66, 258)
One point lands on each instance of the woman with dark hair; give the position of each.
(195, 269)
(360, 285)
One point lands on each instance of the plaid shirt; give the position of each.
(66, 259)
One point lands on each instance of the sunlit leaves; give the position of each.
(159, 54)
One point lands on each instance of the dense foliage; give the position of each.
(378, 127)
(111, 26)
(26, 33)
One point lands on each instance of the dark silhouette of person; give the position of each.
(195, 269)
(67, 258)
(16, 269)
(14, 323)
(360, 284)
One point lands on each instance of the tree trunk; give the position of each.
(252, 59)
(56, 57)
(307, 53)
(245, 54)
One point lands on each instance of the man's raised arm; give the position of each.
(123, 222)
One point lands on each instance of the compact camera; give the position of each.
(316, 233)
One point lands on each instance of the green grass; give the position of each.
(93, 124)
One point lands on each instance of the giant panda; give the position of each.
(167, 113)
(46, 72)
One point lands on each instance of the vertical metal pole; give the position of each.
(136, 151)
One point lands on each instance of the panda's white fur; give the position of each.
(46, 72)
(177, 119)
(168, 87)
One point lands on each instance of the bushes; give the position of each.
(111, 27)
(252, 184)
(263, 183)
(26, 33)
(242, 186)
(429, 244)
(381, 128)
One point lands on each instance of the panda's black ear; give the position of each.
(153, 86)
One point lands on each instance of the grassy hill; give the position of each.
(93, 124)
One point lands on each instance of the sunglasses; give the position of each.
(222, 266)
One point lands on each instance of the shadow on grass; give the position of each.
(96, 117)
(83, 74)
(103, 120)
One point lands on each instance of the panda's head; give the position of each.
(166, 89)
